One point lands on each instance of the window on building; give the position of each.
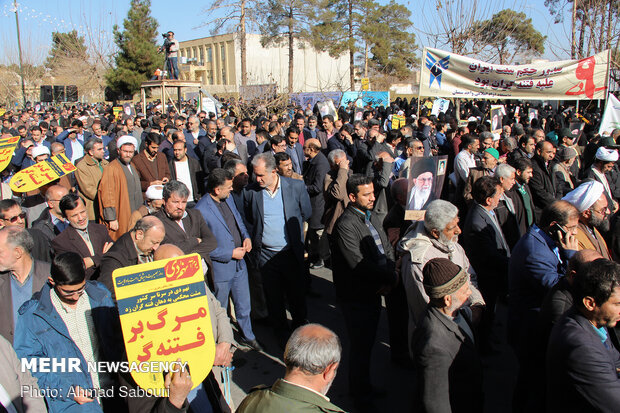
(224, 82)
(223, 53)
(202, 56)
(209, 54)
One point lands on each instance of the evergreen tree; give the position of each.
(392, 47)
(137, 57)
(510, 34)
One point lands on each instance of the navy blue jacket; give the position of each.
(224, 266)
(581, 370)
(193, 150)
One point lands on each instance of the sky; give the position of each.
(95, 18)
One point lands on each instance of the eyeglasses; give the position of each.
(602, 211)
(14, 219)
(64, 293)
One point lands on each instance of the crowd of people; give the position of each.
(526, 219)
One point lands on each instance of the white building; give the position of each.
(216, 62)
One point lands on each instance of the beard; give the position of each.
(419, 198)
(602, 224)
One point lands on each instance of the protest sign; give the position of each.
(398, 121)
(365, 83)
(164, 312)
(363, 99)
(117, 110)
(611, 116)
(41, 173)
(532, 114)
(7, 147)
(446, 74)
(327, 108)
(426, 178)
(497, 115)
(576, 129)
(440, 106)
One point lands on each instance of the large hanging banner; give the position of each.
(611, 117)
(446, 74)
(41, 173)
(7, 148)
(164, 313)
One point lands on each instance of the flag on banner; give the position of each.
(611, 116)
(445, 74)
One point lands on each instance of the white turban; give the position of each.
(155, 192)
(606, 155)
(585, 195)
(127, 140)
(40, 150)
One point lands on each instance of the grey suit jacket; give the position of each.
(12, 379)
(39, 278)
(448, 366)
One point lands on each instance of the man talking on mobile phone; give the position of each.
(537, 262)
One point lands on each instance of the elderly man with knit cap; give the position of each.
(437, 238)
(604, 161)
(119, 191)
(447, 363)
(589, 198)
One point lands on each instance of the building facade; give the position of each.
(216, 62)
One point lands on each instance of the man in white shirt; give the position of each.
(187, 170)
(465, 158)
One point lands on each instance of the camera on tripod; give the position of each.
(167, 44)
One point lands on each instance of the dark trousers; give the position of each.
(282, 275)
(362, 320)
(398, 321)
(317, 244)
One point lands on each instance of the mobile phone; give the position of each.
(555, 229)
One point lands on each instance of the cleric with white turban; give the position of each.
(585, 195)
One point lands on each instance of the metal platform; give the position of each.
(165, 84)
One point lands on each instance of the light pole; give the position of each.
(19, 48)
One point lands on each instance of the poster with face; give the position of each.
(576, 129)
(497, 114)
(425, 184)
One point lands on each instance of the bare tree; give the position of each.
(235, 16)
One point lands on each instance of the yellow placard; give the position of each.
(164, 313)
(365, 83)
(41, 173)
(7, 148)
(2, 111)
(117, 110)
(398, 121)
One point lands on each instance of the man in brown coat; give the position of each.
(152, 165)
(119, 190)
(88, 175)
(336, 198)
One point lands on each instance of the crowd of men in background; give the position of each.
(526, 220)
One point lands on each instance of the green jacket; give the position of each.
(283, 397)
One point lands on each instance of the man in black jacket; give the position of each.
(315, 170)
(134, 247)
(447, 363)
(542, 183)
(582, 364)
(187, 170)
(363, 261)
